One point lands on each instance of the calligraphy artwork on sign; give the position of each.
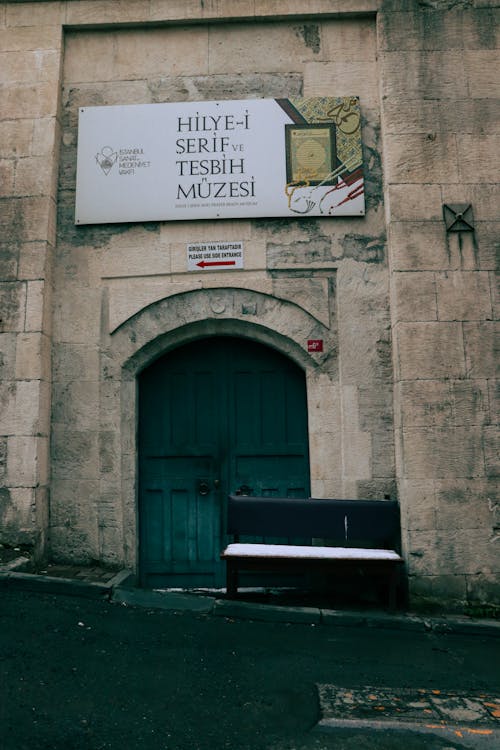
(323, 155)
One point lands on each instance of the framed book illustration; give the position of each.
(310, 154)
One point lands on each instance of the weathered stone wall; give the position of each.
(441, 124)
(30, 64)
(407, 311)
(335, 272)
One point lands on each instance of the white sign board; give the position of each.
(220, 159)
(215, 256)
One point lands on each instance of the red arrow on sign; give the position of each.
(205, 263)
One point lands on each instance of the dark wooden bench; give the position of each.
(342, 537)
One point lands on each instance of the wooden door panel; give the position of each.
(222, 412)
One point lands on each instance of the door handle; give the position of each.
(203, 488)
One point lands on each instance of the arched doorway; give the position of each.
(215, 416)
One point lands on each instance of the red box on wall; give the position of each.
(315, 345)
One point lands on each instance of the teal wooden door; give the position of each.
(215, 416)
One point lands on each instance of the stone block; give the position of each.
(128, 296)
(410, 116)
(420, 31)
(33, 260)
(37, 303)
(418, 157)
(8, 406)
(73, 503)
(16, 515)
(343, 78)
(467, 504)
(162, 10)
(7, 173)
(326, 451)
(76, 403)
(475, 116)
(7, 355)
(75, 455)
(414, 296)
(310, 294)
(76, 544)
(430, 350)
(356, 444)
(28, 219)
(418, 505)
(25, 458)
(3, 458)
(418, 246)
(443, 404)
(479, 156)
(440, 590)
(253, 48)
(31, 37)
(363, 316)
(101, 11)
(12, 306)
(141, 54)
(382, 459)
(296, 7)
(181, 233)
(451, 550)
(9, 256)
(414, 203)
(33, 356)
(28, 66)
(225, 86)
(317, 251)
(32, 14)
(121, 261)
(74, 362)
(494, 280)
(463, 296)
(492, 450)
(483, 588)
(482, 342)
(25, 100)
(34, 176)
(481, 26)
(348, 39)
(25, 407)
(485, 198)
(109, 453)
(480, 69)
(440, 453)
(77, 314)
(423, 75)
(46, 135)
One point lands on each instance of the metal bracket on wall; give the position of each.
(458, 217)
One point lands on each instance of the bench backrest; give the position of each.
(344, 522)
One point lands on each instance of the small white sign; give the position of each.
(215, 256)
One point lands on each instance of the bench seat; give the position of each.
(273, 551)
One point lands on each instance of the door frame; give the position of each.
(171, 322)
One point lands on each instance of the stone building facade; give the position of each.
(403, 399)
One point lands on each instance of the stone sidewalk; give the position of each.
(454, 715)
(118, 586)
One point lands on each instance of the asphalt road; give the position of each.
(78, 674)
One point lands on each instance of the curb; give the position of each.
(120, 590)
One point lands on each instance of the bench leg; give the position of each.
(393, 585)
(231, 580)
